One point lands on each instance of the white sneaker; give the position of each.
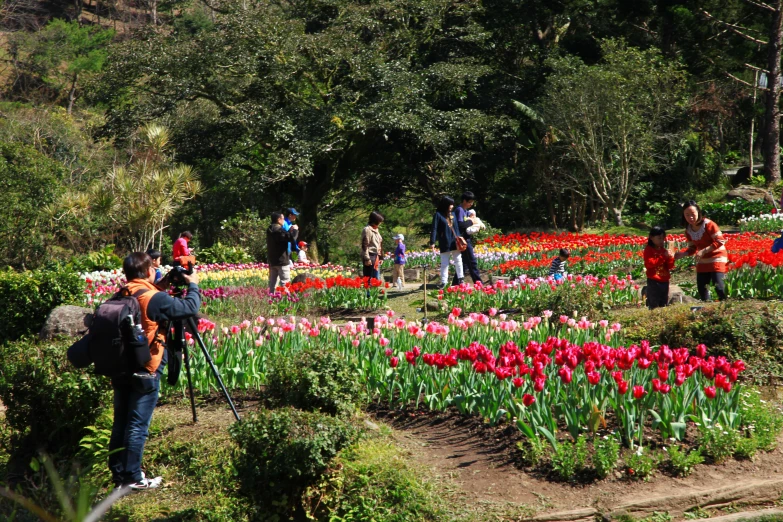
(145, 483)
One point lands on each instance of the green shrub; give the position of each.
(49, 403)
(282, 452)
(682, 462)
(29, 296)
(762, 421)
(220, 253)
(371, 480)
(746, 448)
(30, 182)
(718, 443)
(533, 451)
(104, 259)
(314, 379)
(607, 453)
(640, 466)
(729, 213)
(569, 459)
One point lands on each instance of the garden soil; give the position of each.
(483, 462)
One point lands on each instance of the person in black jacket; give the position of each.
(444, 233)
(277, 242)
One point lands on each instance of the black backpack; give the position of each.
(111, 342)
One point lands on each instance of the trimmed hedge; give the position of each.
(29, 296)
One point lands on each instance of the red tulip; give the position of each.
(639, 392)
(622, 387)
(394, 361)
(710, 391)
(518, 382)
(594, 378)
(565, 374)
(528, 399)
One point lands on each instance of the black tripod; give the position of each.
(178, 329)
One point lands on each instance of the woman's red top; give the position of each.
(180, 248)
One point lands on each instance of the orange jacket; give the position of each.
(156, 338)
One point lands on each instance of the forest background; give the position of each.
(123, 122)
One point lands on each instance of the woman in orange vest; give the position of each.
(708, 246)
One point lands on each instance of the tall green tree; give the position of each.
(327, 102)
(28, 182)
(63, 53)
(613, 120)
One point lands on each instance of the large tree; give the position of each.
(612, 121)
(323, 101)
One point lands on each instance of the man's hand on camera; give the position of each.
(192, 278)
(295, 227)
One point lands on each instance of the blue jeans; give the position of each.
(132, 416)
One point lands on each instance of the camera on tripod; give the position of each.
(182, 266)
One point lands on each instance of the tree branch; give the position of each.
(734, 28)
(762, 5)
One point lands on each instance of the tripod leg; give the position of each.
(190, 381)
(197, 336)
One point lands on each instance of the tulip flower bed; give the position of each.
(333, 293)
(99, 286)
(520, 293)
(544, 374)
(763, 223)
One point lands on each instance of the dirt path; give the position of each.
(483, 467)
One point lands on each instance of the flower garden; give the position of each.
(586, 384)
(548, 374)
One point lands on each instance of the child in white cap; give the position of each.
(301, 256)
(398, 270)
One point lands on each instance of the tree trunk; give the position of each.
(618, 216)
(772, 113)
(550, 206)
(72, 93)
(315, 189)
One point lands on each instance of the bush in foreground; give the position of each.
(315, 379)
(282, 452)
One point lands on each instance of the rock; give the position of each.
(412, 274)
(433, 306)
(371, 425)
(750, 193)
(676, 296)
(301, 278)
(68, 320)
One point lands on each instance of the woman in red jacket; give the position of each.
(707, 245)
(181, 246)
(658, 262)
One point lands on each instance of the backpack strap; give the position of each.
(141, 292)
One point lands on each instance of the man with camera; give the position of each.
(136, 392)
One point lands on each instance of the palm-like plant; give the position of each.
(142, 196)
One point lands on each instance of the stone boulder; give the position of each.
(301, 278)
(676, 296)
(68, 320)
(751, 193)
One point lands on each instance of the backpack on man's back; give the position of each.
(115, 342)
